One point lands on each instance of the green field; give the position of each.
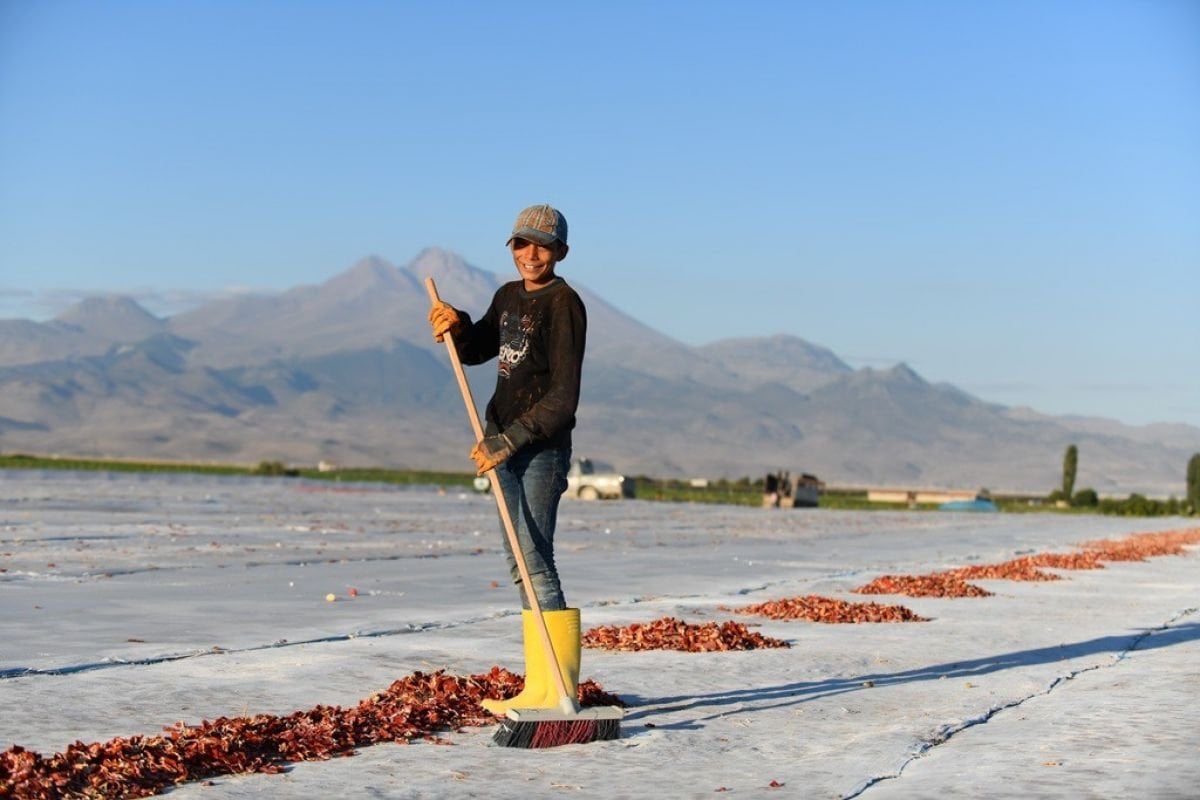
(267, 468)
(743, 492)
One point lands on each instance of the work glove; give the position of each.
(490, 451)
(496, 446)
(443, 318)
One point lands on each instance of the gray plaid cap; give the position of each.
(541, 223)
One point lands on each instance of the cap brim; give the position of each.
(533, 235)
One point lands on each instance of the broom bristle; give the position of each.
(554, 733)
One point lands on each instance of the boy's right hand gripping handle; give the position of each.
(465, 387)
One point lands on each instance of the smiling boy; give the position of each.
(536, 327)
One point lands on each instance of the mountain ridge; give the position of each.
(346, 370)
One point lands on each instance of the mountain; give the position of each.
(347, 371)
(89, 327)
(800, 365)
(112, 318)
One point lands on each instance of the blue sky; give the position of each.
(1004, 195)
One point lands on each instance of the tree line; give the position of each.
(1135, 504)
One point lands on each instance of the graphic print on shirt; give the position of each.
(515, 335)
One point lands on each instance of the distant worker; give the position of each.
(771, 491)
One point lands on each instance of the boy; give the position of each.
(536, 326)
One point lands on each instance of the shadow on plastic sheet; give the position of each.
(801, 692)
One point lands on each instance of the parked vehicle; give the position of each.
(978, 504)
(981, 502)
(587, 480)
(590, 480)
(781, 490)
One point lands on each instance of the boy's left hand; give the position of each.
(490, 451)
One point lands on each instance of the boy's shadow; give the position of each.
(795, 693)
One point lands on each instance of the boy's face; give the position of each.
(535, 262)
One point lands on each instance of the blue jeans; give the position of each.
(533, 482)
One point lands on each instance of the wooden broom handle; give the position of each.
(565, 702)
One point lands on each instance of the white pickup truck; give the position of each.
(589, 480)
(586, 480)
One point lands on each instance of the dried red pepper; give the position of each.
(830, 610)
(953, 583)
(935, 585)
(670, 633)
(415, 707)
(1140, 546)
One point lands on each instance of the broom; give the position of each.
(534, 727)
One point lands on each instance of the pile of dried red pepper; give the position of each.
(829, 610)
(1141, 546)
(418, 706)
(938, 584)
(953, 583)
(670, 633)
(1018, 569)
(1089, 559)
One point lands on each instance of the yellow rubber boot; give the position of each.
(535, 671)
(563, 627)
(540, 690)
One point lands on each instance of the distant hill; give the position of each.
(347, 371)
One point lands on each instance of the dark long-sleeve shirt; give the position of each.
(539, 339)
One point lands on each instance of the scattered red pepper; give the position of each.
(415, 707)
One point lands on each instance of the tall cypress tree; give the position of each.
(1193, 482)
(1070, 463)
